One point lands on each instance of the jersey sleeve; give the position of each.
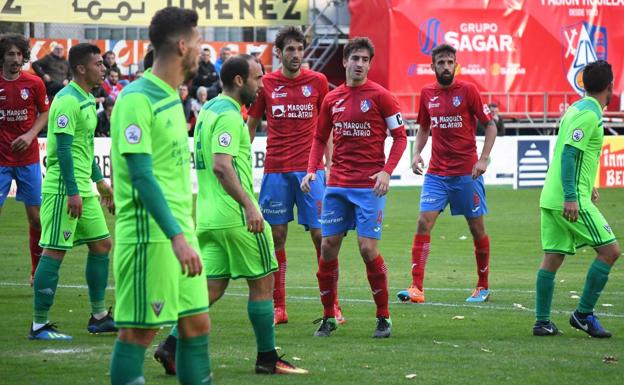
(477, 107)
(256, 110)
(64, 116)
(581, 129)
(323, 90)
(321, 135)
(390, 111)
(41, 98)
(132, 118)
(423, 119)
(226, 135)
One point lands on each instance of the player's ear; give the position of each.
(181, 46)
(239, 81)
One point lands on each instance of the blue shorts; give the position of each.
(280, 191)
(346, 208)
(28, 180)
(466, 195)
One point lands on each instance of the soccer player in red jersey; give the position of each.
(360, 113)
(291, 99)
(449, 109)
(23, 113)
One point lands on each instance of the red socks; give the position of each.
(327, 276)
(279, 289)
(377, 274)
(35, 249)
(482, 255)
(420, 253)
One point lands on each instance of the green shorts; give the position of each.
(60, 231)
(236, 253)
(560, 236)
(150, 289)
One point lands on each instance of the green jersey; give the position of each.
(220, 129)
(72, 113)
(148, 119)
(581, 127)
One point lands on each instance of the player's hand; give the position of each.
(106, 195)
(74, 206)
(479, 168)
(187, 256)
(418, 164)
(305, 182)
(22, 142)
(571, 211)
(382, 184)
(595, 195)
(254, 219)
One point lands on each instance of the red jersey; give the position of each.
(21, 100)
(360, 118)
(451, 114)
(292, 108)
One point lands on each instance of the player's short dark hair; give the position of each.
(148, 59)
(236, 65)
(597, 76)
(170, 24)
(358, 43)
(442, 49)
(289, 32)
(79, 54)
(8, 40)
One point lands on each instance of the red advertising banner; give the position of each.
(516, 50)
(611, 172)
(130, 53)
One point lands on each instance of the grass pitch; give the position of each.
(492, 344)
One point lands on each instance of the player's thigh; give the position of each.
(147, 288)
(467, 196)
(28, 181)
(555, 233)
(91, 226)
(310, 204)
(6, 177)
(214, 256)
(193, 298)
(58, 228)
(276, 198)
(433, 196)
(338, 214)
(369, 212)
(592, 228)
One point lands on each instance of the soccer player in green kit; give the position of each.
(568, 215)
(70, 212)
(158, 271)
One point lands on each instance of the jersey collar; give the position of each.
(595, 101)
(231, 100)
(79, 89)
(159, 82)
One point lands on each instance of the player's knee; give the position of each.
(610, 254)
(34, 223)
(104, 246)
(424, 225)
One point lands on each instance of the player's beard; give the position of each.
(190, 68)
(293, 66)
(248, 96)
(445, 79)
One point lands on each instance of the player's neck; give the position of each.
(356, 83)
(601, 98)
(10, 76)
(290, 75)
(86, 87)
(233, 95)
(446, 86)
(168, 71)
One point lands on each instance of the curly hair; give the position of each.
(290, 32)
(8, 40)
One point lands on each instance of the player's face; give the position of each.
(190, 61)
(94, 70)
(444, 68)
(291, 56)
(357, 65)
(12, 61)
(253, 84)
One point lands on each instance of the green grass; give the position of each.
(491, 345)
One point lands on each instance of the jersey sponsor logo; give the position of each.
(62, 121)
(67, 234)
(278, 88)
(133, 134)
(278, 111)
(2, 116)
(336, 109)
(277, 94)
(275, 204)
(275, 211)
(432, 102)
(454, 121)
(577, 135)
(24, 93)
(457, 101)
(365, 105)
(394, 121)
(158, 307)
(306, 90)
(353, 128)
(293, 111)
(225, 139)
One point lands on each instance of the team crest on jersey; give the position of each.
(157, 307)
(133, 134)
(457, 101)
(365, 105)
(62, 121)
(306, 91)
(577, 135)
(225, 139)
(24, 93)
(67, 234)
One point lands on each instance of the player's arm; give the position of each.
(66, 164)
(254, 115)
(490, 136)
(252, 125)
(319, 144)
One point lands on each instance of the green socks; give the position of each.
(597, 278)
(127, 364)
(193, 360)
(544, 289)
(44, 285)
(261, 317)
(96, 273)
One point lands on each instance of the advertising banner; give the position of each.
(212, 13)
(611, 172)
(504, 47)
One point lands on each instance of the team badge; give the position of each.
(577, 135)
(67, 234)
(62, 121)
(157, 307)
(225, 139)
(24, 93)
(47, 101)
(133, 134)
(306, 90)
(456, 101)
(365, 105)
(607, 227)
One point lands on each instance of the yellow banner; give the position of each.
(212, 13)
(611, 170)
